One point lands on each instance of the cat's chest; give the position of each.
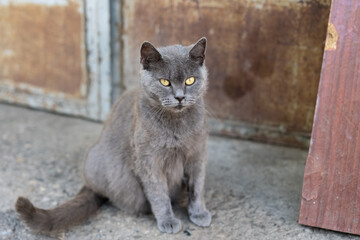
(172, 161)
(169, 140)
(166, 136)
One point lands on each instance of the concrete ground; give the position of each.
(253, 190)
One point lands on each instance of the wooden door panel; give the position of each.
(331, 188)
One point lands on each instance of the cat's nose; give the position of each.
(180, 98)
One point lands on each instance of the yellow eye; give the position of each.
(165, 82)
(190, 81)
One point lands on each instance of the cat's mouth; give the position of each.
(176, 107)
(179, 106)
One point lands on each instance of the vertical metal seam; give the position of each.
(116, 49)
(104, 33)
(98, 58)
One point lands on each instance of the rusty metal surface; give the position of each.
(264, 57)
(51, 58)
(42, 47)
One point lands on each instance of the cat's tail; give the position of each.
(60, 218)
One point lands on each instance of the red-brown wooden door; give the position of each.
(331, 188)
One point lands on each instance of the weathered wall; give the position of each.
(42, 46)
(264, 58)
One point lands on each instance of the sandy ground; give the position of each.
(252, 190)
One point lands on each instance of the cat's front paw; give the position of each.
(171, 225)
(202, 219)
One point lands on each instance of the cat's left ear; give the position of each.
(149, 55)
(197, 52)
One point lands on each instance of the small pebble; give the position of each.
(20, 159)
(4, 233)
(187, 233)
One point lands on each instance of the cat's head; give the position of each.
(174, 76)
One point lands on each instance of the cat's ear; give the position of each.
(149, 55)
(197, 52)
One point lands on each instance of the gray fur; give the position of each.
(150, 145)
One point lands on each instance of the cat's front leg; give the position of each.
(156, 191)
(195, 171)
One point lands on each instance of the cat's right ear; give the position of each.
(149, 55)
(197, 52)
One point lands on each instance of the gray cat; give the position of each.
(153, 142)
